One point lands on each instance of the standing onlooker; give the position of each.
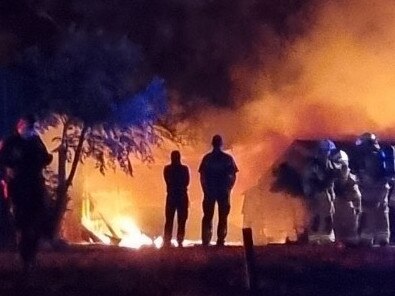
(177, 180)
(23, 157)
(217, 176)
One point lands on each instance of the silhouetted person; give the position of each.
(177, 180)
(217, 176)
(23, 158)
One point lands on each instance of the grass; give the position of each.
(282, 270)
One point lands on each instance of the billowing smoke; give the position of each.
(335, 80)
(338, 76)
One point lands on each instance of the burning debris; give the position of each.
(124, 232)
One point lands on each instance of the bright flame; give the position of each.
(124, 229)
(158, 242)
(132, 236)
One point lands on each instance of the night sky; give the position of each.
(192, 44)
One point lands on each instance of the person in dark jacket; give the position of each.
(217, 177)
(7, 233)
(176, 176)
(23, 158)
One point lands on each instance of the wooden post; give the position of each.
(250, 261)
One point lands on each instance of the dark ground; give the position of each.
(283, 270)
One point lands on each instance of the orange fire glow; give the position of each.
(338, 80)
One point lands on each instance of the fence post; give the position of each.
(250, 260)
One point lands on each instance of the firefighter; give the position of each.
(347, 202)
(176, 177)
(375, 188)
(217, 177)
(23, 157)
(318, 187)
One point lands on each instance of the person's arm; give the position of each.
(166, 175)
(356, 198)
(186, 177)
(1, 154)
(6, 161)
(232, 176)
(3, 184)
(202, 171)
(44, 158)
(203, 182)
(232, 179)
(5, 154)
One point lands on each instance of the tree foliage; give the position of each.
(94, 88)
(95, 84)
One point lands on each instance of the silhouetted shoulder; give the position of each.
(37, 140)
(10, 140)
(231, 162)
(203, 163)
(5, 152)
(166, 171)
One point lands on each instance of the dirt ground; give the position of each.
(281, 270)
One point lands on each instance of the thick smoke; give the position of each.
(334, 80)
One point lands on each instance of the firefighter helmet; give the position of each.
(340, 156)
(369, 139)
(326, 145)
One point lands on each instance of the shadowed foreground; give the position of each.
(283, 270)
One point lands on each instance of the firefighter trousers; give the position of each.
(345, 222)
(375, 215)
(375, 224)
(321, 223)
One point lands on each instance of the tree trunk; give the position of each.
(62, 159)
(64, 181)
